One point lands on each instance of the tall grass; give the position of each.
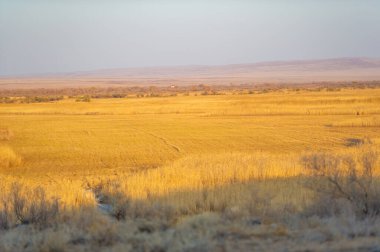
(27, 206)
(242, 172)
(8, 158)
(5, 134)
(359, 122)
(200, 199)
(351, 178)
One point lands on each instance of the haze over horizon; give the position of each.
(66, 36)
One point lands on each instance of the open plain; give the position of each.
(192, 171)
(189, 126)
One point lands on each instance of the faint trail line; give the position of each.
(164, 140)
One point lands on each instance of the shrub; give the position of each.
(7, 100)
(119, 95)
(5, 134)
(336, 178)
(120, 206)
(8, 158)
(38, 99)
(27, 206)
(85, 98)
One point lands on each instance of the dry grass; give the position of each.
(8, 158)
(352, 178)
(186, 173)
(5, 134)
(132, 133)
(359, 122)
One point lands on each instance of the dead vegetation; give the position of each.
(5, 134)
(342, 207)
(39, 95)
(24, 206)
(8, 157)
(342, 178)
(271, 178)
(359, 122)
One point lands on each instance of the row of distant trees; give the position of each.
(31, 99)
(86, 94)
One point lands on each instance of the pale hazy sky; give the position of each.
(40, 36)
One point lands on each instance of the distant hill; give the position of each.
(340, 69)
(280, 67)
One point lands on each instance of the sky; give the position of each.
(53, 36)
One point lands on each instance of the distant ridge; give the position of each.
(336, 64)
(297, 71)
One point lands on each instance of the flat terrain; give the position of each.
(200, 154)
(149, 132)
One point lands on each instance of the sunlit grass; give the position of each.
(193, 164)
(157, 146)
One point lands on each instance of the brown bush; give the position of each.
(8, 158)
(5, 134)
(344, 178)
(27, 206)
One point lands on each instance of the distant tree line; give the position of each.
(31, 99)
(37, 95)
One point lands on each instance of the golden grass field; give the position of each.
(194, 153)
